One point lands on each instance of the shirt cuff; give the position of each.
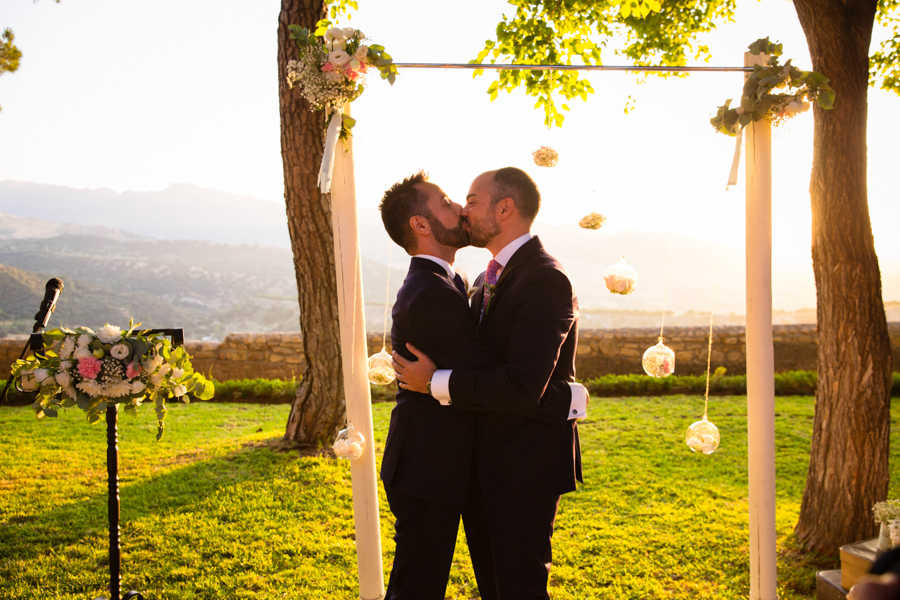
(440, 386)
(578, 405)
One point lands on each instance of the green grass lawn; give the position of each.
(214, 511)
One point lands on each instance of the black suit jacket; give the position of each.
(531, 325)
(429, 448)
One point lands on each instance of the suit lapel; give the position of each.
(430, 265)
(519, 258)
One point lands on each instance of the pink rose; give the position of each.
(351, 75)
(89, 367)
(132, 370)
(327, 67)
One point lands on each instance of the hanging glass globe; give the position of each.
(702, 436)
(659, 360)
(380, 370)
(349, 444)
(545, 156)
(620, 278)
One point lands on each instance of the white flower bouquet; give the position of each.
(92, 370)
(887, 511)
(330, 74)
(331, 70)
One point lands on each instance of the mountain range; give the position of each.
(216, 262)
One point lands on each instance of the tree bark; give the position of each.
(848, 469)
(318, 411)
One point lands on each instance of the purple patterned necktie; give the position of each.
(490, 282)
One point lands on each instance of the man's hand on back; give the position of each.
(414, 375)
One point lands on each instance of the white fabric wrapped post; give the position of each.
(331, 139)
(760, 355)
(356, 385)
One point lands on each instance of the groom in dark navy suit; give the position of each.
(428, 464)
(528, 314)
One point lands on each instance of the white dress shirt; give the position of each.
(440, 381)
(447, 266)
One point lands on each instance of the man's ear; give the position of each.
(420, 225)
(505, 208)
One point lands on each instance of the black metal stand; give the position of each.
(112, 468)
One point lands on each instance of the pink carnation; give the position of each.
(89, 366)
(132, 370)
(351, 74)
(363, 68)
(327, 67)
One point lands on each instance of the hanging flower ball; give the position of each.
(380, 370)
(349, 444)
(620, 278)
(659, 360)
(702, 436)
(545, 156)
(592, 221)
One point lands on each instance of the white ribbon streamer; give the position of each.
(331, 138)
(732, 177)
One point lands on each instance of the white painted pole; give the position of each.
(354, 355)
(760, 355)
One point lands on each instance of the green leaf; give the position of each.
(348, 121)
(51, 412)
(376, 47)
(204, 391)
(68, 403)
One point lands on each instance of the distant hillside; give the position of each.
(239, 275)
(179, 212)
(81, 303)
(209, 289)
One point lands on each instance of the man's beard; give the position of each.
(482, 232)
(456, 237)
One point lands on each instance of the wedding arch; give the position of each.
(760, 349)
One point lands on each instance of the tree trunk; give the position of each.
(848, 469)
(318, 410)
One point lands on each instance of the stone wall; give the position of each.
(600, 351)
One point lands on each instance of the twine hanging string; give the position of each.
(709, 347)
(387, 296)
(662, 325)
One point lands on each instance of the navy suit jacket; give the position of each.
(531, 325)
(429, 450)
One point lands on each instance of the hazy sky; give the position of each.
(139, 95)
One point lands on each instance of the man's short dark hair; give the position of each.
(400, 203)
(510, 182)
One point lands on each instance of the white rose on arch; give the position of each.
(335, 33)
(362, 53)
(336, 45)
(338, 58)
(349, 32)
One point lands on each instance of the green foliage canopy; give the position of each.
(655, 33)
(884, 64)
(9, 54)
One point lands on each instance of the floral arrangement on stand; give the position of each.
(330, 74)
(93, 370)
(773, 92)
